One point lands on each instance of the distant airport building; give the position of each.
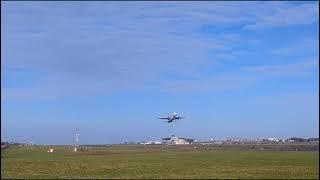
(269, 140)
(177, 141)
(313, 140)
(151, 142)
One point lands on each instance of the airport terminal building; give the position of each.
(177, 141)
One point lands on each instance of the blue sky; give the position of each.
(234, 69)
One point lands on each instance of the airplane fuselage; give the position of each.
(172, 118)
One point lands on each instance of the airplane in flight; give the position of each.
(172, 118)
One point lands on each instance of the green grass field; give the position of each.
(144, 162)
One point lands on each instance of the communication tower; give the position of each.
(75, 149)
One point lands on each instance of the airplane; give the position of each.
(172, 118)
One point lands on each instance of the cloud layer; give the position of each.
(89, 48)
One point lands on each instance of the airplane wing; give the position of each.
(163, 118)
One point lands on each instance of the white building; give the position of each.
(151, 142)
(273, 139)
(177, 141)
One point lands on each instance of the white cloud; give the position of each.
(304, 46)
(302, 68)
(288, 16)
(243, 78)
(222, 83)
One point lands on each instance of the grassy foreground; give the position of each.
(144, 162)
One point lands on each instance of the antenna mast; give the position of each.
(77, 137)
(75, 149)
